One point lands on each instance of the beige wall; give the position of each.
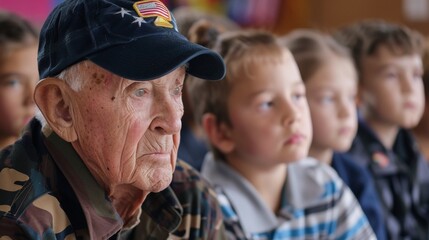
(330, 14)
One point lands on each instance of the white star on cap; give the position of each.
(123, 12)
(139, 20)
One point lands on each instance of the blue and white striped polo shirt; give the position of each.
(316, 204)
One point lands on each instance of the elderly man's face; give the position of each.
(128, 131)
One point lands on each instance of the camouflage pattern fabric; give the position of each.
(46, 192)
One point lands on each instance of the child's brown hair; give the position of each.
(310, 49)
(242, 51)
(15, 32)
(365, 38)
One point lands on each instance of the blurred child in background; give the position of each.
(193, 145)
(18, 75)
(331, 82)
(421, 131)
(258, 123)
(391, 100)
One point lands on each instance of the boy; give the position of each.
(18, 75)
(421, 131)
(388, 60)
(257, 122)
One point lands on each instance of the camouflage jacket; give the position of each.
(46, 192)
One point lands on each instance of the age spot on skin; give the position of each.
(99, 78)
(113, 98)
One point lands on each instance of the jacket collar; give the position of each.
(99, 212)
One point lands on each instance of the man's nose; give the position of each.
(168, 114)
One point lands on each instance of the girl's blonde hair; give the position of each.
(311, 48)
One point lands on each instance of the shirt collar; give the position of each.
(164, 208)
(242, 195)
(365, 131)
(99, 212)
(254, 214)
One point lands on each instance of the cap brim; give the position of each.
(156, 55)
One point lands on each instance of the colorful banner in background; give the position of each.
(248, 13)
(254, 13)
(35, 11)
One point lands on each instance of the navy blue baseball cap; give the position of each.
(137, 40)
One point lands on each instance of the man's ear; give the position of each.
(50, 96)
(218, 133)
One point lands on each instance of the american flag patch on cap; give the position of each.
(152, 8)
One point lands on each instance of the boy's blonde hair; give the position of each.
(365, 38)
(311, 48)
(242, 51)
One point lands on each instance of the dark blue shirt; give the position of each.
(362, 186)
(401, 177)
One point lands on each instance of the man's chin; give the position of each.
(160, 188)
(162, 181)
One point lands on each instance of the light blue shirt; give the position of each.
(316, 204)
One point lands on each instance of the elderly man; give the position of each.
(100, 165)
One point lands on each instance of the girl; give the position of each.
(330, 79)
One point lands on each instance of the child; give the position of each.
(257, 122)
(330, 79)
(421, 131)
(388, 60)
(193, 145)
(18, 75)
